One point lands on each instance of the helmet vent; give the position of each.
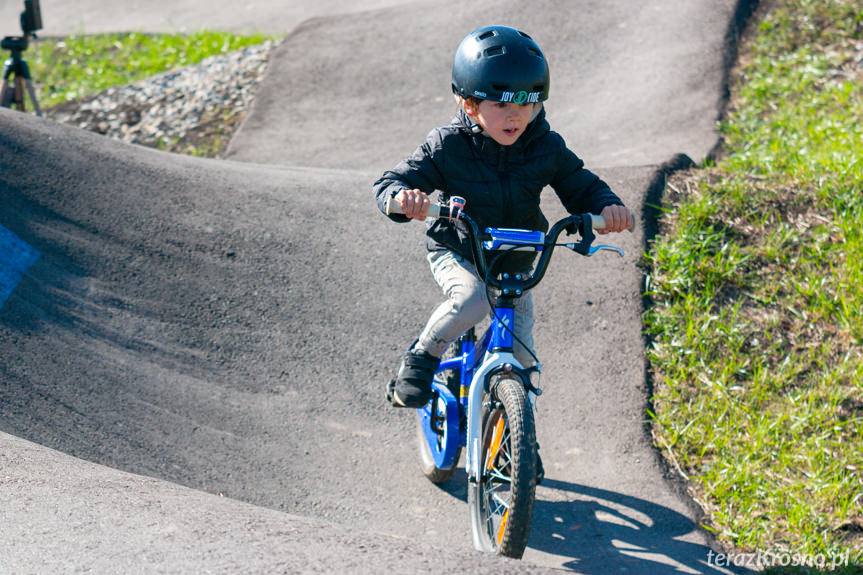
(534, 51)
(495, 51)
(487, 35)
(525, 35)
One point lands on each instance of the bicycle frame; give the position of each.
(496, 355)
(441, 418)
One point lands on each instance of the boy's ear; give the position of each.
(469, 106)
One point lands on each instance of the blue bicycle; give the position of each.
(484, 398)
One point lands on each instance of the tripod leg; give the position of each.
(32, 92)
(7, 92)
(19, 93)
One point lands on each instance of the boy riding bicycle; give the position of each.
(498, 153)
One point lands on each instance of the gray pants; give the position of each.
(467, 305)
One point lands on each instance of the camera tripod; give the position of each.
(16, 76)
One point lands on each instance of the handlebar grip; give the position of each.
(393, 207)
(598, 222)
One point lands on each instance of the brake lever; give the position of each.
(585, 229)
(590, 250)
(594, 249)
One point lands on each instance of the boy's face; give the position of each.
(504, 122)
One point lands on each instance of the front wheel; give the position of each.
(501, 503)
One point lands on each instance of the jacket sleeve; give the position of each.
(579, 189)
(422, 171)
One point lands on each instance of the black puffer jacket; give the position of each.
(501, 184)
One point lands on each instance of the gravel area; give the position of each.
(194, 109)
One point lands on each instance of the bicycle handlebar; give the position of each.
(515, 285)
(435, 212)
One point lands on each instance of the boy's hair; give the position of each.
(461, 101)
(474, 101)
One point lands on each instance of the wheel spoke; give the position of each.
(507, 462)
(489, 513)
(501, 504)
(504, 461)
(496, 508)
(499, 477)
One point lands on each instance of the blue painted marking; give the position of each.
(16, 257)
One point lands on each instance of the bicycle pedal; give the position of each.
(391, 387)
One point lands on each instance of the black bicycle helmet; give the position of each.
(500, 64)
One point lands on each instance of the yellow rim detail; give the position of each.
(502, 527)
(497, 435)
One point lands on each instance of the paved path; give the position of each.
(249, 16)
(209, 323)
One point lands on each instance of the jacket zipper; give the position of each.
(505, 184)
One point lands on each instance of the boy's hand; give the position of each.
(414, 203)
(617, 219)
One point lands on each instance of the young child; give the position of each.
(498, 153)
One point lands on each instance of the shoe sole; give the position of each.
(394, 399)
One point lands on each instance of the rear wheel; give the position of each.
(451, 379)
(501, 503)
(427, 463)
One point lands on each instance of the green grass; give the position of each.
(78, 66)
(756, 281)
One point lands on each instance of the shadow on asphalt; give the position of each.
(603, 531)
(456, 485)
(596, 531)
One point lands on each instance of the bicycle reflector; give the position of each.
(456, 205)
(518, 240)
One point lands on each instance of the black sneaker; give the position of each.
(412, 387)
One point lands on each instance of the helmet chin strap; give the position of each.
(475, 128)
(537, 108)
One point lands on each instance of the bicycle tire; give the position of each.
(501, 503)
(426, 460)
(451, 379)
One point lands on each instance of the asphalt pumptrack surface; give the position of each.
(194, 351)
